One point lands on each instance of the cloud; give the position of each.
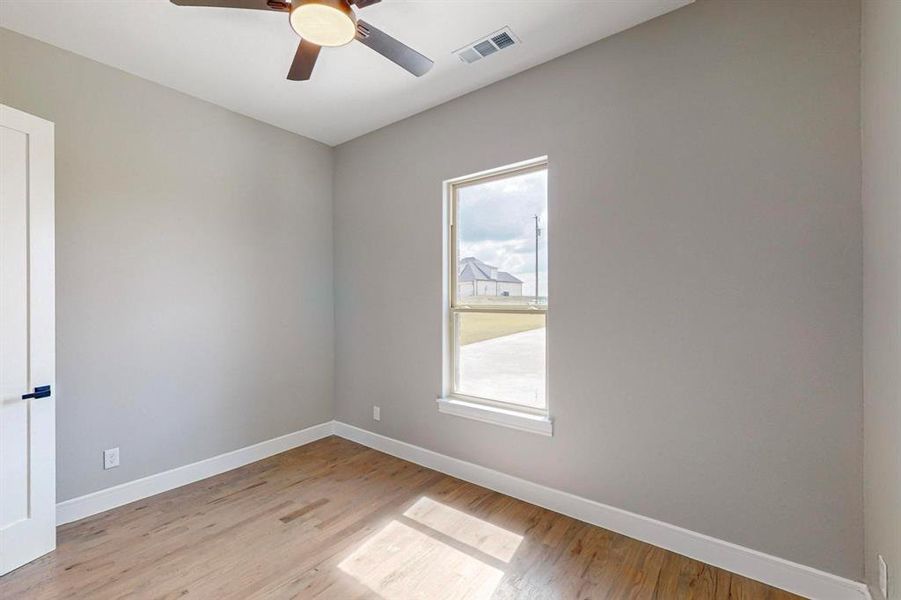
(496, 225)
(502, 210)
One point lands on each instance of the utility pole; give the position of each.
(537, 235)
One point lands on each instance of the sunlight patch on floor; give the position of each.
(481, 535)
(401, 563)
(429, 556)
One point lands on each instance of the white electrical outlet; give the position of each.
(111, 458)
(883, 576)
(376, 413)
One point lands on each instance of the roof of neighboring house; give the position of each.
(507, 278)
(472, 269)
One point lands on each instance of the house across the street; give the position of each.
(479, 279)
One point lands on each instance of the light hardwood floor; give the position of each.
(334, 519)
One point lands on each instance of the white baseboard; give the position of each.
(97, 502)
(777, 572)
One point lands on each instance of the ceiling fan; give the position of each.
(328, 23)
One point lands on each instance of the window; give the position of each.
(498, 295)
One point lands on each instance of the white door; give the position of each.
(27, 446)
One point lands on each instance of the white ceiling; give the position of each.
(239, 58)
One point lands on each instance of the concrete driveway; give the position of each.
(509, 368)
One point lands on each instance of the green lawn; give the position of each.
(478, 327)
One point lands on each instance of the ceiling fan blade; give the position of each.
(276, 5)
(363, 3)
(304, 61)
(393, 50)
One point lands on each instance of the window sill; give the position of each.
(522, 421)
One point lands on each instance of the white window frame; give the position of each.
(483, 409)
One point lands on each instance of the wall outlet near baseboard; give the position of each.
(376, 413)
(111, 458)
(883, 576)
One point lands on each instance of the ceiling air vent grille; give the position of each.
(487, 46)
(502, 40)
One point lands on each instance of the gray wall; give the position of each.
(881, 93)
(194, 270)
(705, 255)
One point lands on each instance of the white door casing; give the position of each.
(27, 339)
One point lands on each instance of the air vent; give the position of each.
(503, 40)
(487, 46)
(469, 55)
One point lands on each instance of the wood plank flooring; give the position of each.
(337, 520)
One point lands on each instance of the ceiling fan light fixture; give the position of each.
(324, 22)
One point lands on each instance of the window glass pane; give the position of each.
(501, 229)
(501, 356)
